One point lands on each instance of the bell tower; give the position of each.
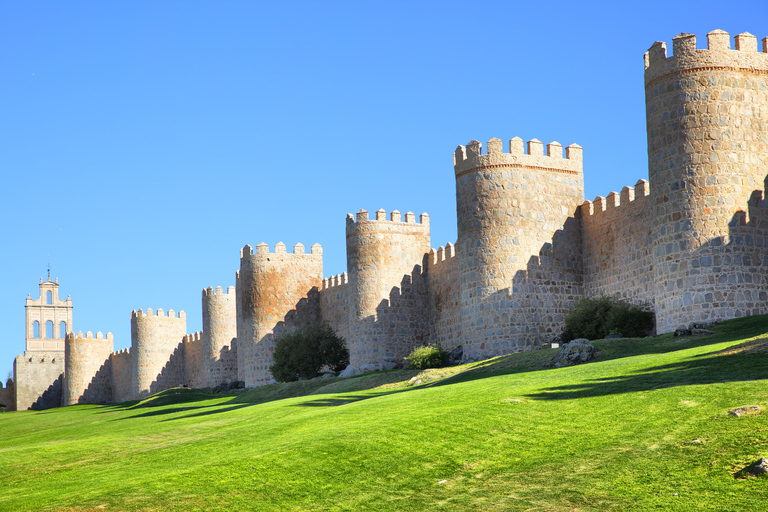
(49, 318)
(38, 373)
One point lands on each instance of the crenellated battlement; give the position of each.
(471, 157)
(280, 248)
(123, 352)
(443, 253)
(615, 200)
(335, 281)
(160, 313)
(717, 55)
(210, 291)
(196, 336)
(72, 337)
(381, 216)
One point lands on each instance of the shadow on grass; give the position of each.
(710, 368)
(726, 366)
(342, 400)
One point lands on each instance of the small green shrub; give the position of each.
(428, 356)
(307, 351)
(594, 318)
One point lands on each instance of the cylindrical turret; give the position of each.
(518, 243)
(157, 361)
(272, 290)
(707, 117)
(382, 255)
(219, 333)
(87, 373)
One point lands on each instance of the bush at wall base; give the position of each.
(430, 356)
(308, 350)
(596, 317)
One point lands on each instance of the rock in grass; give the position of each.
(741, 411)
(349, 371)
(758, 468)
(388, 365)
(455, 355)
(575, 352)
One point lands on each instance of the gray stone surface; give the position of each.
(576, 352)
(349, 371)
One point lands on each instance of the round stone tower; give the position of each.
(518, 243)
(275, 291)
(87, 374)
(382, 255)
(156, 342)
(707, 124)
(219, 333)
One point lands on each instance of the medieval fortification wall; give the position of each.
(707, 115)
(691, 241)
(617, 244)
(88, 369)
(275, 291)
(8, 395)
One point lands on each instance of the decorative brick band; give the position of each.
(516, 166)
(751, 71)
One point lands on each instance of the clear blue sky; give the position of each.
(142, 144)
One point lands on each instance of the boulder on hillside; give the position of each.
(367, 368)
(349, 371)
(575, 352)
(388, 365)
(455, 355)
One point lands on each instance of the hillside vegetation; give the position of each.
(646, 426)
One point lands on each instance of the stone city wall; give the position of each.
(195, 353)
(88, 372)
(275, 291)
(120, 363)
(157, 351)
(518, 242)
(38, 376)
(444, 297)
(334, 304)
(219, 335)
(8, 395)
(617, 245)
(388, 304)
(707, 126)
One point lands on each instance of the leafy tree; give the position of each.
(595, 317)
(307, 351)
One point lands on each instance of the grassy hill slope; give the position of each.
(643, 427)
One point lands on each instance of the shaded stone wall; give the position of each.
(518, 243)
(157, 359)
(617, 245)
(388, 302)
(195, 353)
(120, 363)
(707, 125)
(8, 395)
(275, 291)
(219, 334)
(334, 304)
(444, 297)
(88, 373)
(38, 376)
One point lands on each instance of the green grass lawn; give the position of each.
(643, 427)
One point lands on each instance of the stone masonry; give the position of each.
(691, 241)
